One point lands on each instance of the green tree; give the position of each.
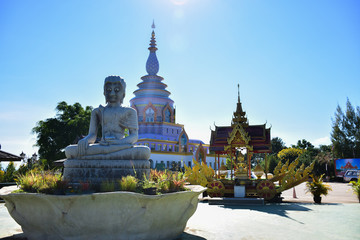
(325, 161)
(277, 145)
(345, 135)
(54, 134)
(309, 155)
(10, 173)
(303, 144)
(2, 173)
(290, 154)
(273, 162)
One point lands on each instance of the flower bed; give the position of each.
(48, 182)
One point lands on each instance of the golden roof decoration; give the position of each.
(239, 114)
(239, 136)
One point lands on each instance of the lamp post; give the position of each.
(22, 156)
(33, 158)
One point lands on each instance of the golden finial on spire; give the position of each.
(239, 114)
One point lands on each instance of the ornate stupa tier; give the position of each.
(151, 99)
(151, 93)
(152, 64)
(152, 86)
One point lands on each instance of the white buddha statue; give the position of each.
(114, 119)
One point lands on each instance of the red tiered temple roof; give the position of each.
(260, 138)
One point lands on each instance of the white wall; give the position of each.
(157, 158)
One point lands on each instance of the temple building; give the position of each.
(170, 144)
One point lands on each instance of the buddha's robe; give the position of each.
(113, 144)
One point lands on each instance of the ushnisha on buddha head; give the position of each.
(114, 89)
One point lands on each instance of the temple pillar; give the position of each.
(249, 155)
(266, 166)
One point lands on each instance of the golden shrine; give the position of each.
(238, 138)
(239, 142)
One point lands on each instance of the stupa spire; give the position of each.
(152, 63)
(239, 114)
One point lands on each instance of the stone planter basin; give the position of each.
(112, 215)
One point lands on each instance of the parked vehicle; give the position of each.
(351, 175)
(342, 165)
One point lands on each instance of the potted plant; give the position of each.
(149, 187)
(356, 187)
(317, 188)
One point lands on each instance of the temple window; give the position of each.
(170, 148)
(167, 115)
(158, 147)
(183, 142)
(164, 147)
(149, 115)
(152, 146)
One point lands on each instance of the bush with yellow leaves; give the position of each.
(199, 174)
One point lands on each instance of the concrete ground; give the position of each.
(297, 218)
(341, 193)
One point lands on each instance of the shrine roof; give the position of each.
(5, 156)
(259, 138)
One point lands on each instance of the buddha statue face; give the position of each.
(114, 89)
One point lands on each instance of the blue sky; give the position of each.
(295, 61)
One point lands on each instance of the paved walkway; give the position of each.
(295, 221)
(297, 218)
(341, 193)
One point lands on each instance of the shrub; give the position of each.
(356, 187)
(171, 182)
(40, 182)
(290, 154)
(128, 183)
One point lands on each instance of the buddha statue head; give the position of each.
(114, 89)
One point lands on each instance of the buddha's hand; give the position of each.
(82, 146)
